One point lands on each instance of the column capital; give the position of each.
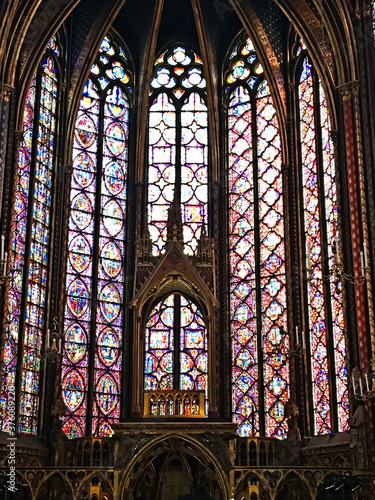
(348, 90)
(6, 92)
(365, 11)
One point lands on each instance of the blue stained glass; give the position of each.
(110, 302)
(73, 390)
(77, 298)
(171, 73)
(42, 128)
(104, 197)
(245, 208)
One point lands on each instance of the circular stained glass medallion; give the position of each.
(80, 253)
(81, 210)
(75, 343)
(86, 131)
(113, 217)
(115, 138)
(106, 394)
(108, 347)
(105, 430)
(73, 387)
(110, 302)
(83, 170)
(72, 429)
(273, 263)
(114, 178)
(77, 298)
(8, 353)
(118, 70)
(13, 301)
(111, 259)
(245, 406)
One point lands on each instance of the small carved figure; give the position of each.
(293, 435)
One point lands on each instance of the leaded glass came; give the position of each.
(178, 146)
(260, 370)
(96, 243)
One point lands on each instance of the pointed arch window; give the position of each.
(178, 146)
(260, 368)
(93, 323)
(324, 315)
(176, 347)
(31, 235)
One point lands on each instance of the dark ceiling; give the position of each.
(135, 22)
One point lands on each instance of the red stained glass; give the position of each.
(105, 237)
(38, 239)
(178, 156)
(176, 347)
(317, 315)
(42, 126)
(256, 204)
(335, 281)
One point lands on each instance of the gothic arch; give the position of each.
(81, 71)
(57, 483)
(176, 445)
(173, 274)
(294, 67)
(33, 69)
(266, 54)
(253, 483)
(327, 55)
(290, 485)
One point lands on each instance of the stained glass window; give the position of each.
(30, 235)
(177, 146)
(176, 347)
(96, 246)
(325, 311)
(260, 373)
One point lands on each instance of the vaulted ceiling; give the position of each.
(27, 25)
(147, 26)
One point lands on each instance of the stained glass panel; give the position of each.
(193, 349)
(162, 168)
(178, 145)
(97, 247)
(272, 265)
(112, 253)
(176, 347)
(35, 160)
(80, 263)
(335, 281)
(18, 251)
(242, 264)
(194, 159)
(159, 347)
(37, 282)
(312, 226)
(256, 214)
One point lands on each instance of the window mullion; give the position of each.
(325, 262)
(177, 192)
(95, 277)
(176, 341)
(26, 261)
(258, 312)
